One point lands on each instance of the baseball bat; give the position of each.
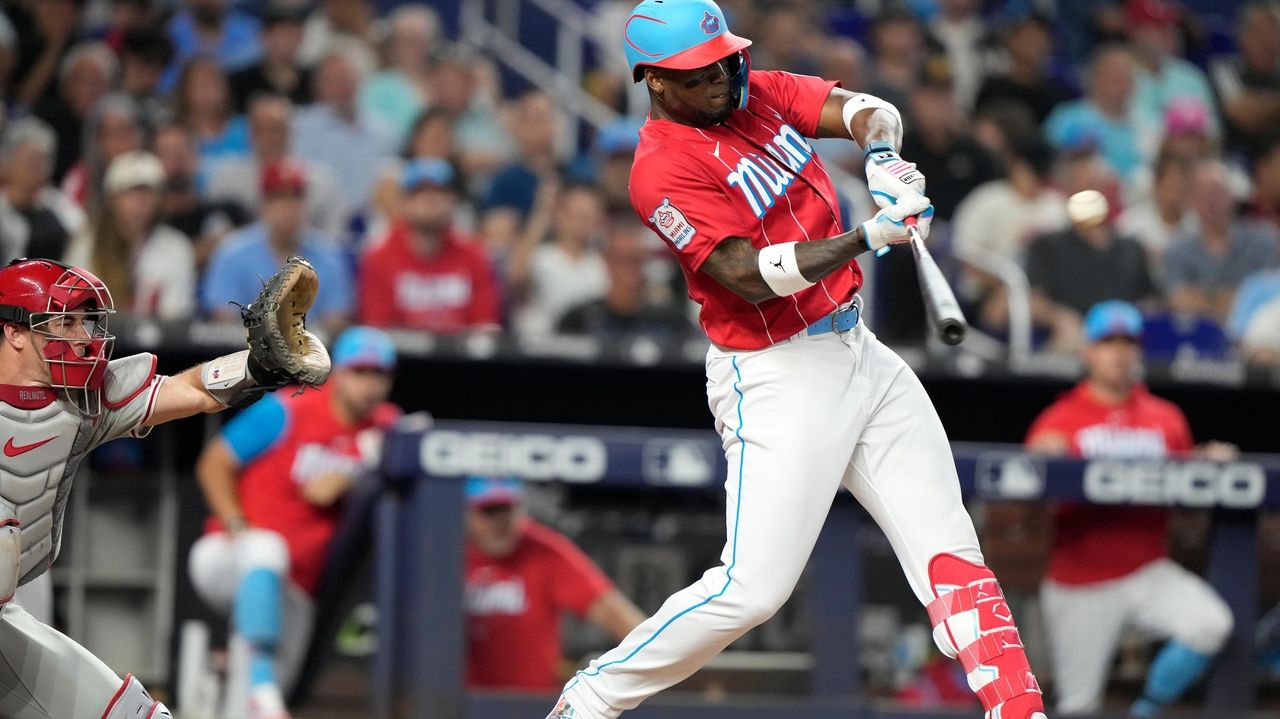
(945, 317)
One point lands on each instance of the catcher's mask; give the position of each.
(68, 308)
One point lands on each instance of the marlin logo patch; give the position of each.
(710, 23)
(671, 223)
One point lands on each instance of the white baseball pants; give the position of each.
(799, 420)
(46, 675)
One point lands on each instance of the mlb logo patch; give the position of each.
(670, 222)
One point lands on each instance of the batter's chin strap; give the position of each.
(991, 645)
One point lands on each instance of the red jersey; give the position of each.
(753, 176)
(282, 442)
(514, 605)
(1094, 543)
(449, 291)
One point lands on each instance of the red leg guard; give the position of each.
(972, 622)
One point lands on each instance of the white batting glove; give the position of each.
(889, 177)
(889, 226)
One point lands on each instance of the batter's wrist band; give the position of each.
(877, 146)
(781, 271)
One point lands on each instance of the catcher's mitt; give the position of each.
(281, 350)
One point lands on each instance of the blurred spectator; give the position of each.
(1001, 124)
(340, 25)
(237, 180)
(332, 131)
(395, 95)
(960, 30)
(213, 28)
(1167, 214)
(608, 165)
(1028, 51)
(626, 310)
(788, 39)
(1202, 270)
(1264, 205)
(46, 32)
(236, 268)
(1260, 289)
(145, 52)
(1260, 344)
(430, 135)
(425, 274)
(557, 264)
(277, 72)
(1105, 112)
(84, 78)
(205, 223)
(1109, 567)
(275, 480)
(202, 102)
(1187, 130)
(8, 57)
(1161, 75)
(151, 266)
(113, 128)
(123, 16)
(467, 89)
(1248, 84)
(534, 124)
(521, 577)
(997, 221)
(36, 219)
(898, 51)
(1072, 270)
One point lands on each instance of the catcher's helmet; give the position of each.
(68, 307)
(683, 35)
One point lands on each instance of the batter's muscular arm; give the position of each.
(870, 125)
(735, 263)
(182, 395)
(216, 471)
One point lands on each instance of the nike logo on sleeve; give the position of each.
(13, 450)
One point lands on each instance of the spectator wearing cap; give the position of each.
(1247, 84)
(275, 479)
(237, 180)
(277, 72)
(557, 265)
(1203, 269)
(212, 28)
(997, 221)
(151, 266)
(36, 219)
(1188, 130)
(236, 268)
(939, 142)
(608, 165)
(1161, 75)
(1106, 112)
(424, 274)
(1071, 270)
(522, 577)
(1109, 568)
(396, 95)
(1027, 42)
(430, 135)
(333, 132)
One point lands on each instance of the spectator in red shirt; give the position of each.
(522, 576)
(1109, 568)
(424, 274)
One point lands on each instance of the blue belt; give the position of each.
(838, 321)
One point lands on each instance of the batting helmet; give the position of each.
(67, 306)
(683, 35)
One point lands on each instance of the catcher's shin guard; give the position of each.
(972, 624)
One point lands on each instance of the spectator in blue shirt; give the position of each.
(210, 27)
(1105, 112)
(236, 269)
(534, 127)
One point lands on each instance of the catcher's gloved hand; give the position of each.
(889, 177)
(889, 226)
(281, 350)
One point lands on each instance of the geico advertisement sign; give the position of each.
(527, 456)
(1189, 484)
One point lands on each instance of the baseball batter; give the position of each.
(1109, 568)
(61, 395)
(805, 398)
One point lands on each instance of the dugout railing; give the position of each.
(419, 535)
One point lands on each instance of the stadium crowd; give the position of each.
(181, 148)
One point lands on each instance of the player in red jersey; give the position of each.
(805, 398)
(522, 576)
(1109, 568)
(274, 480)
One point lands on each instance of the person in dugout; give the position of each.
(1109, 568)
(521, 578)
(274, 480)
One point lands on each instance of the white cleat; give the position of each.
(266, 702)
(563, 710)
